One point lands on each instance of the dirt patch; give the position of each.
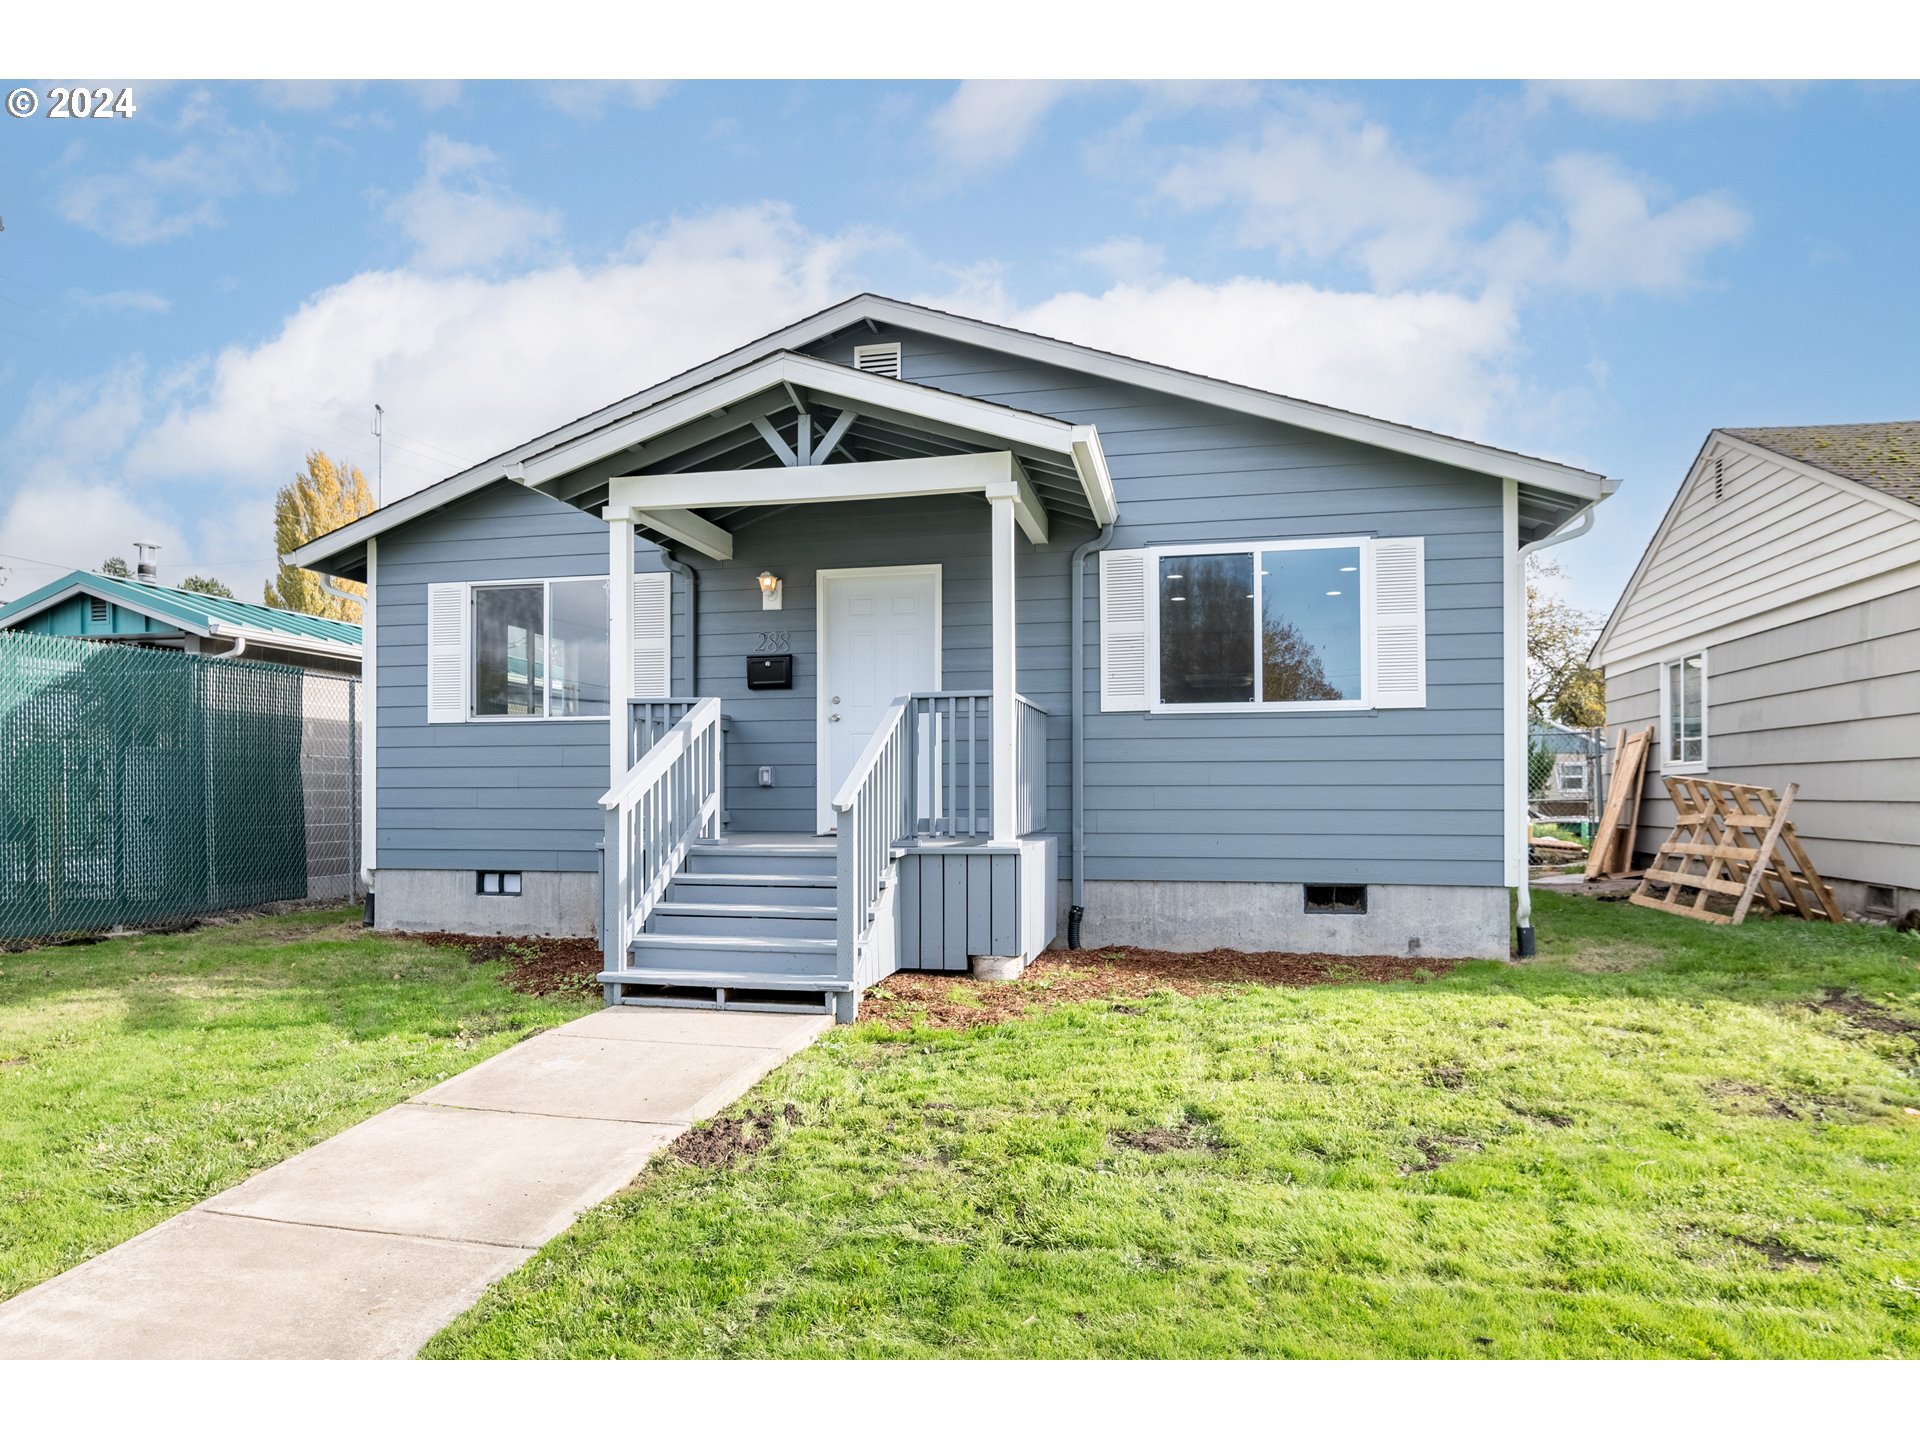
(1161, 1139)
(1545, 1117)
(536, 964)
(1779, 1256)
(1064, 977)
(1759, 1099)
(1862, 1012)
(1612, 959)
(1437, 1150)
(1445, 1077)
(720, 1143)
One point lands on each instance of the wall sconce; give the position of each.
(769, 590)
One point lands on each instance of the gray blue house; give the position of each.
(897, 638)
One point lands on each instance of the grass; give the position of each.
(1653, 1141)
(140, 1076)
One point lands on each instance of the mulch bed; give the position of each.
(536, 964)
(1064, 977)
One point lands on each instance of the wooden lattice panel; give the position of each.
(1732, 844)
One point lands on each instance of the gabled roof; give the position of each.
(208, 616)
(1884, 454)
(1551, 477)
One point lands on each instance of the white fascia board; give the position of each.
(1091, 461)
(281, 641)
(812, 484)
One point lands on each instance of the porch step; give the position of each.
(733, 887)
(725, 980)
(760, 955)
(707, 917)
(757, 857)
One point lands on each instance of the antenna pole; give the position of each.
(380, 454)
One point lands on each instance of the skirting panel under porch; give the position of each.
(1448, 922)
(550, 902)
(963, 900)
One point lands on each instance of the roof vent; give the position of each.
(147, 571)
(96, 610)
(878, 359)
(1719, 478)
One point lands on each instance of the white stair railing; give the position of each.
(1030, 767)
(668, 798)
(872, 811)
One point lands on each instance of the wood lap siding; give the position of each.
(1404, 796)
(518, 795)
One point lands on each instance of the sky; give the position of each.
(194, 296)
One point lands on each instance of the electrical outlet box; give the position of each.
(766, 776)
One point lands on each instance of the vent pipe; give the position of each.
(147, 570)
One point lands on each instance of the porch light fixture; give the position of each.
(769, 590)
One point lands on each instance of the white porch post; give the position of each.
(1004, 724)
(619, 636)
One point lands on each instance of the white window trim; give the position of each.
(1155, 706)
(1668, 764)
(546, 584)
(1560, 767)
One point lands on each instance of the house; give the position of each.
(90, 606)
(924, 639)
(1563, 770)
(1771, 635)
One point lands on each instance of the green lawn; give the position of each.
(140, 1076)
(1648, 1143)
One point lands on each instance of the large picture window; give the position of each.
(1683, 701)
(1279, 624)
(539, 649)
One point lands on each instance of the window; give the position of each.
(496, 882)
(1683, 706)
(540, 649)
(1275, 624)
(1570, 775)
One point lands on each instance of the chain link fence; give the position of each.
(142, 785)
(1566, 779)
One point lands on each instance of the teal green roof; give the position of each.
(203, 614)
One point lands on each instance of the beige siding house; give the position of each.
(1771, 635)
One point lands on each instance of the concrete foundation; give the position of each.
(1448, 922)
(551, 902)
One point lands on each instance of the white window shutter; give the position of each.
(652, 636)
(446, 654)
(1399, 622)
(1123, 630)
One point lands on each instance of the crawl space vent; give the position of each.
(878, 359)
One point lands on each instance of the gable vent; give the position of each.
(878, 359)
(97, 610)
(1719, 478)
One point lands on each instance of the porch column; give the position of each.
(1004, 725)
(619, 635)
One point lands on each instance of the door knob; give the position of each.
(834, 718)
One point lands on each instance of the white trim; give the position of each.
(1668, 764)
(620, 575)
(1364, 701)
(822, 749)
(369, 720)
(814, 484)
(1003, 730)
(1465, 454)
(686, 528)
(546, 584)
(1513, 681)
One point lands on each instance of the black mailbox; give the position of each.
(769, 672)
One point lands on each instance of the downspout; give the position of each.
(1077, 740)
(1573, 529)
(680, 567)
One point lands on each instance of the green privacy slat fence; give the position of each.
(140, 785)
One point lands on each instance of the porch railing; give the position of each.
(1030, 762)
(953, 763)
(669, 797)
(872, 811)
(648, 720)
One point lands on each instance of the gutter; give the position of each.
(1573, 529)
(1077, 742)
(680, 567)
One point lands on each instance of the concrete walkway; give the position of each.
(366, 1245)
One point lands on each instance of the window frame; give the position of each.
(1561, 763)
(1670, 764)
(1257, 706)
(546, 584)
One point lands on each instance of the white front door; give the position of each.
(879, 640)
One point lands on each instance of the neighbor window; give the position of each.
(540, 649)
(1572, 777)
(1683, 700)
(1274, 624)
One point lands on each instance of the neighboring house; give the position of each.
(1042, 637)
(1566, 769)
(1771, 634)
(88, 606)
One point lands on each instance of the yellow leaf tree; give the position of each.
(323, 499)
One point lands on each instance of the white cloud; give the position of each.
(307, 94)
(590, 99)
(1654, 99)
(988, 122)
(1127, 258)
(118, 301)
(460, 217)
(1322, 182)
(162, 197)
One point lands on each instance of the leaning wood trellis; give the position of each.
(1613, 842)
(1733, 844)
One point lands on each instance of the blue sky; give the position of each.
(1600, 272)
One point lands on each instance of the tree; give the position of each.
(205, 585)
(117, 568)
(322, 499)
(1292, 666)
(1560, 684)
